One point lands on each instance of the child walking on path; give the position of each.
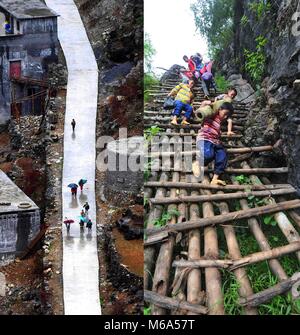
(210, 146)
(184, 97)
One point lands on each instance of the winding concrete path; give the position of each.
(80, 257)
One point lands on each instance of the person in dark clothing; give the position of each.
(86, 207)
(89, 225)
(74, 191)
(73, 124)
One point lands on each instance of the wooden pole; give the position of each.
(229, 151)
(268, 294)
(219, 197)
(164, 261)
(194, 252)
(213, 281)
(261, 239)
(265, 255)
(284, 224)
(170, 304)
(226, 218)
(196, 185)
(231, 265)
(243, 281)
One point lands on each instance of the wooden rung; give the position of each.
(220, 197)
(172, 304)
(226, 218)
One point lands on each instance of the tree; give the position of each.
(149, 52)
(214, 20)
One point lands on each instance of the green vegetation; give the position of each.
(149, 52)
(147, 170)
(270, 220)
(260, 8)
(151, 132)
(147, 310)
(221, 82)
(256, 61)
(244, 20)
(261, 278)
(214, 20)
(243, 180)
(149, 77)
(165, 218)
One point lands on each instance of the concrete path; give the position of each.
(80, 258)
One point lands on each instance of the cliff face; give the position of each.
(115, 29)
(275, 116)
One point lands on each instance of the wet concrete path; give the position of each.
(80, 257)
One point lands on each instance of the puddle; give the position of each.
(131, 253)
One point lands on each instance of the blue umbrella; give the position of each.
(83, 181)
(73, 186)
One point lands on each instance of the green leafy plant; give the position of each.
(256, 61)
(165, 218)
(151, 132)
(244, 20)
(243, 180)
(221, 82)
(260, 8)
(147, 170)
(270, 220)
(147, 310)
(255, 202)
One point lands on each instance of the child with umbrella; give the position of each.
(81, 183)
(73, 188)
(68, 223)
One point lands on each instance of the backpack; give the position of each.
(169, 103)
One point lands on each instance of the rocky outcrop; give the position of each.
(275, 116)
(172, 73)
(116, 34)
(246, 93)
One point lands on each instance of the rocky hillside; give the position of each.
(115, 31)
(275, 117)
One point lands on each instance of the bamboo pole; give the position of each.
(284, 224)
(191, 126)
(229, 151)
(282, 170)
(244, 288)
(239, 215)
(197, 186)
(213, 281)
(265, 255)
(204, 263)
(220, 197)
(231, 265)
(194, 252)
(171, 134)
(268, 294)
(179, 293)
(261, 239)
(165, 303)
(149, 252)
(164, 260)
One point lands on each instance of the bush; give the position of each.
(222, 83)
(149, 80)
(256, 61)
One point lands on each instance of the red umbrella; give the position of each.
(69, 221)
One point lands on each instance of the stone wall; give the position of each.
(17, 230)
